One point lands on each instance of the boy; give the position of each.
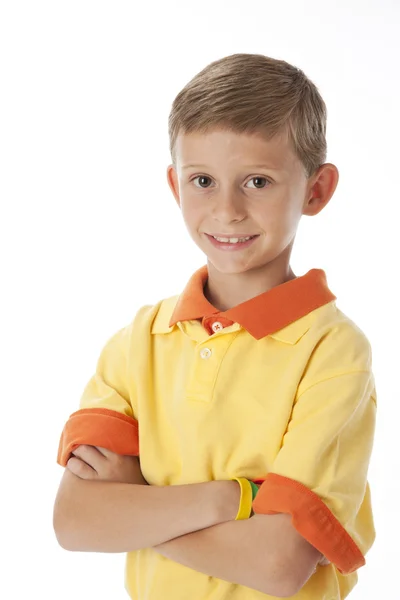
(225, 438)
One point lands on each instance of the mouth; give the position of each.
(232, 238)
(225, 242)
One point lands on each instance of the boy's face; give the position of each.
(239, 185)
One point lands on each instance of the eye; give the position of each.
(259, 179)
(261, 182)
(202, 177)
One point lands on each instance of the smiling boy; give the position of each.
(246, 198)
(225, 438)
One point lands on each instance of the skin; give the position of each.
(95, 463)
(225, 193)
(103, 512)
(100, 464)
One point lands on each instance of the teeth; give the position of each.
(232, 240)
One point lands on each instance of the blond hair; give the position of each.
(249, 93)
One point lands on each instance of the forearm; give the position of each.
(238, 552)
(98, 516)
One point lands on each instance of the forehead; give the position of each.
(228, 148)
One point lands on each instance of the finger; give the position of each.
(81, 469)
(105, 452)
(90, 455)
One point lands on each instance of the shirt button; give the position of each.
(205, 353)
(217, 326)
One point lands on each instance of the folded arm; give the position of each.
(264, 552)
(109, 516)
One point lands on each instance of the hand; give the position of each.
(93, 462)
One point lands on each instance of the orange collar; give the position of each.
(264, 314)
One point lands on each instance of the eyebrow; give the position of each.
(268, 167)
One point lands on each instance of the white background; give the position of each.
(90, 230)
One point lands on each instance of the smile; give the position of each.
(232, 243)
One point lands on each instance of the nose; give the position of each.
(228, 206)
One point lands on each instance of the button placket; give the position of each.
(205, 367)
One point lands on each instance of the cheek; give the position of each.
(282, 214)
(192, 212)
(279, 226)
(274, 219)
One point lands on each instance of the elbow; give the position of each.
(63, 540)
(61, 529)
(65, 528)
(281, 581)
(66, 512)
(290, 577)
(65, 536)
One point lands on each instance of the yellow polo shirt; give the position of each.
(278, 389)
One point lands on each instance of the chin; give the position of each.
(228, 269)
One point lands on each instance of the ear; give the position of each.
(320, 189)
(172, 178)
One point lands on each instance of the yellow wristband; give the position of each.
(246, 498)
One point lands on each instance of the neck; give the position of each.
(226, 290)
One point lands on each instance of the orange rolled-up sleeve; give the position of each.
(99, 427)
(106, 411)
(319, 476)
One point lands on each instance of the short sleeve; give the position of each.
(106, 416)
(320, 473)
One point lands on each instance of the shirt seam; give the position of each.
(334, 377)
